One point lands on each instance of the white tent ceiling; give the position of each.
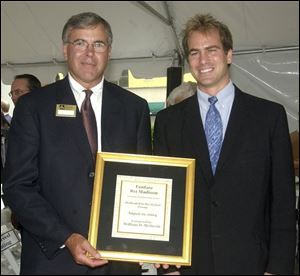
(147, 38)
(31, 30)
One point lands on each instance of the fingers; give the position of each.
(165, 266)
(83, 252)
(87, 247)
(91, 262)
(92, 257)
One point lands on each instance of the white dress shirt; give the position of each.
(96, 101)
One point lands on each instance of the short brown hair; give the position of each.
(205, 23)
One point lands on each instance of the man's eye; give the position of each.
(212, 50)
(99, 44)
(193, 53)
(79, 42)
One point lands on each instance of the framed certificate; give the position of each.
(142, 208)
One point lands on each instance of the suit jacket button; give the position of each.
(91, 174)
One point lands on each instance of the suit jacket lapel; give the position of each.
(194, 128)
(234, 128)
(74, 126)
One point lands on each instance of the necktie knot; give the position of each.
(88, 93)
(213, 100)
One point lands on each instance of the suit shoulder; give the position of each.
(176, 111)
(124, 94)
(40, 95)
(260, 103)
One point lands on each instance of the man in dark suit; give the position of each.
(244, 216)
(50, 162)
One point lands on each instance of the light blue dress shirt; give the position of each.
(224, 104)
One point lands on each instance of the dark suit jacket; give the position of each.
(50, 171)
(244, 216)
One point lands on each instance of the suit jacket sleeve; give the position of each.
(282, 225)
(144, 132)
(160, 146)
(21, 185)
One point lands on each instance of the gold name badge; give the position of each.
(65, 110)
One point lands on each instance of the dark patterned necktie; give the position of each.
(213, 132)
(89, 121)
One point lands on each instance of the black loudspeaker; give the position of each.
(174, 78)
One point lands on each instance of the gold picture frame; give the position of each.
(142, 208)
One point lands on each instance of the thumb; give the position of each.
(91, 250)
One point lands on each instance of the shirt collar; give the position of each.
(77, 88)
(223, 95)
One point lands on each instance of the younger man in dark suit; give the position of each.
(244, 216)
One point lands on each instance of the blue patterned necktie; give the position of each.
(213, 132)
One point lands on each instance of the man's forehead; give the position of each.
(20, 82)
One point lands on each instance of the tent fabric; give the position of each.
(31, 30)
(147, 38)
(273, 76)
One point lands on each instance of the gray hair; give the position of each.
(181, 92)
(84, 20)
(4, 106)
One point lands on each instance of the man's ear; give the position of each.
(229, 56)
(65, 51)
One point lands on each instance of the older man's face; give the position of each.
(19, 87)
